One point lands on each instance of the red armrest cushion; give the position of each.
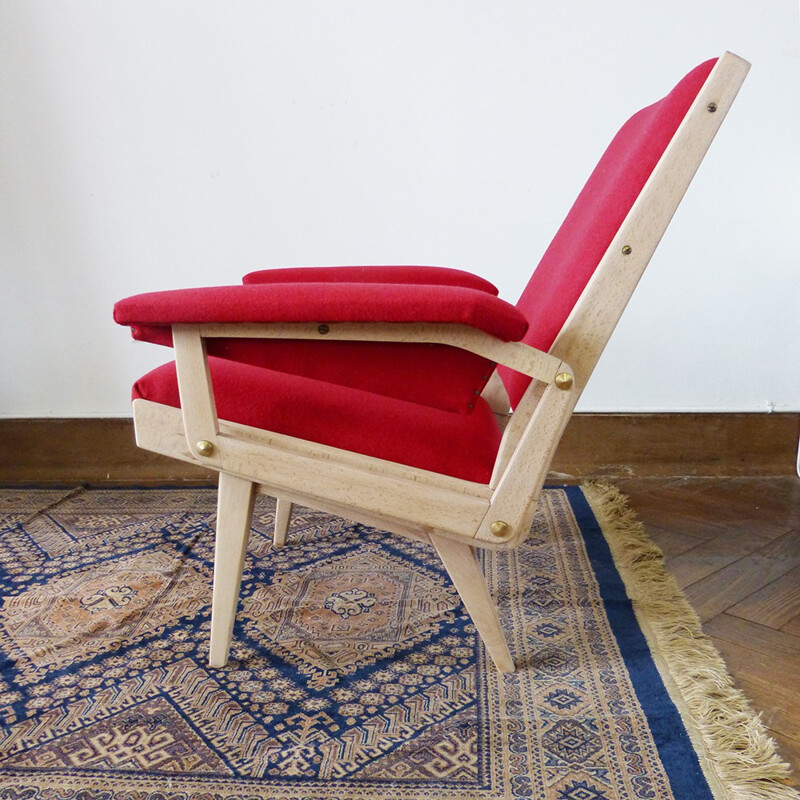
(326, 302)
(430, 276)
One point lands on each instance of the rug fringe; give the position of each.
(735, 740)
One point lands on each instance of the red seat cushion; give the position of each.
(461, 445)
(596, 216)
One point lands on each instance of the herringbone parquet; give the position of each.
(734, 546)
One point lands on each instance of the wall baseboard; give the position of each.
(692, 445)
(102, 451)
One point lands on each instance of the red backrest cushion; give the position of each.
(596, 216)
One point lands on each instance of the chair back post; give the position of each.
(530, 441)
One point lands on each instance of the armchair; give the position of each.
(374, 392)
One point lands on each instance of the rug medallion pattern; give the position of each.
(355, 672)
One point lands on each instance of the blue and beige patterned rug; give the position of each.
(355, 672)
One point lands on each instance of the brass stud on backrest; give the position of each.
(711, 107)
(323, 329)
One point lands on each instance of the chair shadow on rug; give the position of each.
(374, 393)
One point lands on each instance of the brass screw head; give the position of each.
(323, 329)
(627, 250)
(564, 380)
(502, 530)
(711, 107)
(204, 447)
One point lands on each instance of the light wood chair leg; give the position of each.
(234, 515)
(461, 562)
(283, 513)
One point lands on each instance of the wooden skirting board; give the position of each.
(102, 451)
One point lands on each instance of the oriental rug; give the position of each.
(355, 671)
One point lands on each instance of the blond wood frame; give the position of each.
(455, 515)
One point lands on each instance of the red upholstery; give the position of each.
(461, 445)
(434, 375)
(395, 401)
(596, 216)
(325, 302)
(428, 276)
(442, 377)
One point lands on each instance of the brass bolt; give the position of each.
(627, 250)
(711, 107)
(564, 380)
(502, 530)
(204, 447)
(323, 329)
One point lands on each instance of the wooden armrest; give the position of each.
(516, 355)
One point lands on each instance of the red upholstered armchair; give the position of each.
(374, 392)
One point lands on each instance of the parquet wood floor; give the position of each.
(733, 544)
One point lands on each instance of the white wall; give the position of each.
(149, 144)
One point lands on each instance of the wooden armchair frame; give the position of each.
(457, 516)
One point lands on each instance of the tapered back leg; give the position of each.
(283, 513)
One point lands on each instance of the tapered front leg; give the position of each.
(461, 562)
(234, 515)
(283, 513)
